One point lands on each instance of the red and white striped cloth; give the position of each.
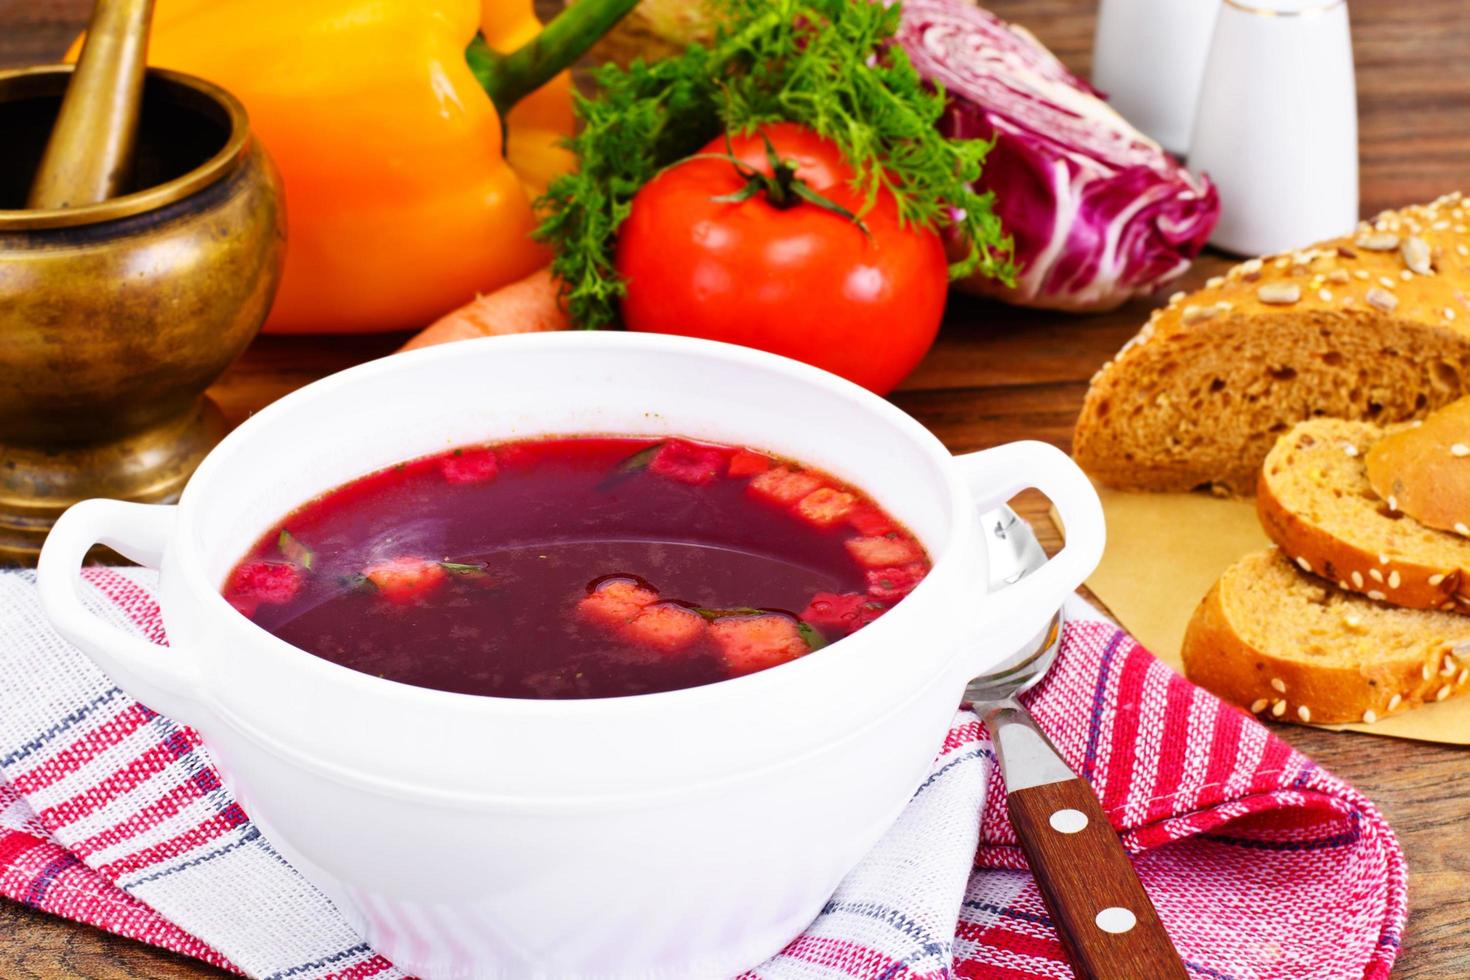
(1261, 864)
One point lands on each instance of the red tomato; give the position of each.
(799, 280)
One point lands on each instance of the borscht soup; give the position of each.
(578, 567)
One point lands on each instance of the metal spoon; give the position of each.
(1097, 903)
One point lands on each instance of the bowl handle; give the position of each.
(995, 476)
(160, 677)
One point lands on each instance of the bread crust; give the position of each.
(1344, 288)
(1426, 469)
(1219, 659)
(1352, 569)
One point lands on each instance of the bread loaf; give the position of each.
(1425, 469)
(1287, 645)
(1314, 501)
(1373, 325)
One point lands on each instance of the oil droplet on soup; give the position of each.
(577, 567)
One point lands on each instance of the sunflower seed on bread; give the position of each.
(1198, 400)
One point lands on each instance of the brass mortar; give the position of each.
(115, 317)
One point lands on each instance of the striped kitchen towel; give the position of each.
(1261, 865)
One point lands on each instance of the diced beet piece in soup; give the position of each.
(783, 485)
(841, 613)
(881, 552)
(751, 643)
(897, 581)
(666, 627)
(254, 582)
(616, 602)
(747, 463)
(578, 567)
(405, 580)
(687, 462)
(869, 521)
(825, 506)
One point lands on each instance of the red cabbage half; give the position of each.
(1099, 212)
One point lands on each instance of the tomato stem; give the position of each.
(782, 187)
(783, 176)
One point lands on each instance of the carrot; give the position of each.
(529, 305)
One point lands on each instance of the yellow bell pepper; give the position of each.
(406, 192)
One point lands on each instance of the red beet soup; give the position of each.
(577, 567)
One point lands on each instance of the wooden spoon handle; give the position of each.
(1096, 901)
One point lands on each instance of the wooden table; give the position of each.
(999, 374)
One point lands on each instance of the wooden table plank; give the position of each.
(995, 375)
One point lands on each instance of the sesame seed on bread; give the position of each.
(1287, 645)
(1374, 325)
(1315, 502)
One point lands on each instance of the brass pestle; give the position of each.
(89, 156)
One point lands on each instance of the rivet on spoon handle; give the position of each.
(89, 155)
(1096, 901)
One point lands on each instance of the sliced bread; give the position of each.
(1425, 469)
(1314, 501)
(1290, 646)
(1373, 325)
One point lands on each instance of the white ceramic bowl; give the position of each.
(685, 834)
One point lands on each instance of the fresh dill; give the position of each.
(827, 64)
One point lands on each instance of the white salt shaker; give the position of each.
(1277, 124)
(1148, 57)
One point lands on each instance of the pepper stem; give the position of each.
(510, 77)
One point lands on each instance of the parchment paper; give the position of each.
(1166, 550)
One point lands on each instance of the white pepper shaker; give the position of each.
(1277, 124)
(1148, 57)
